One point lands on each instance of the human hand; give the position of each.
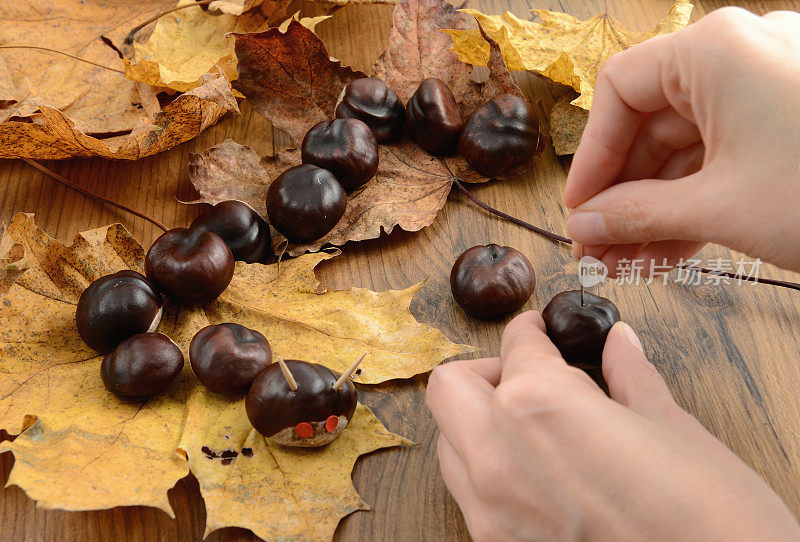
(532, 449)
(694, 137)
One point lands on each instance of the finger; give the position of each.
(456, 478)
(663, 133)
(632, 380)
(682, 162)
(459, 399)
(526, 349)
(630, 85)
(487, 368)
(668, 254)
(646, 210)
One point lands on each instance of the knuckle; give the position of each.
(524, 398)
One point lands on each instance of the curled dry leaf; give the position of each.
(55, 136)
(296, 91)
(82, 448)
(96, 99)
(191, 42)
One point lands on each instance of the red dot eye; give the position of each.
(304, 430)
(331, 423)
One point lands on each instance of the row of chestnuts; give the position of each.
(491, 280)
(339, 156)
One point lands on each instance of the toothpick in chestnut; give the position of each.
(116, 307)
(302, 404)
(191, 266)
(371, 101)
(142, 365)
(227, 357)
(241, 227)
(492, 280)
(578, 323)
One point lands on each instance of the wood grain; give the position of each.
(729, 353)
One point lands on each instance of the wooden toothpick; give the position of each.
(287, 374)
(350, 370)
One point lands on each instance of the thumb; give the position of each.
(632, 380)
(643, 211)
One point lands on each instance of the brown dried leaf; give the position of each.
(289, 77)
(57, 137)
(82, 448)
(567, 122)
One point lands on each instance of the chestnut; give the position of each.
(579, 330)
(305, 202)
(227, 357)
(313, 414)
(490, 280)
(500, 135)
(115, 307)
(345, 147)
(142, 365)
(433, 117)
(191, 266)
(371, 101)
(244, 230)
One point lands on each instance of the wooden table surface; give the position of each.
(729, 353)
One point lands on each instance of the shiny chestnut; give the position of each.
(142, 365)
(227, 357)
(191, 266)
(500, 135)
(312, 415)
(241, 227)
(115, 307)
(491, 280)
(345, 147)
(578, 330)
(371, 101)
(305, 202)
(433, 117)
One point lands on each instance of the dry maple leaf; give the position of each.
(562, 48)
(190, 42)
(234, 7)
(296, 91)
(55, 136)
(96, 99)
(82, 448)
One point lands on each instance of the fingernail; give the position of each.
(588, 228)
(630, 334)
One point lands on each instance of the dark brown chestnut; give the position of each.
(579, 330)
(500, 135)
(305, 202)
(115, 307)
(433, 117)
(142, 365)
(345, 147)
(371, 101)
(190, 266)
(227, 357)
(312, 415)
(241, 227)
(490, 280)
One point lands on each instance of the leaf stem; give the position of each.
(772, 282)
(93, 195)
(541, 231)
(36, 47)
(132, 34)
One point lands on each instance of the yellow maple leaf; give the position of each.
(562, 48)
(83, 448)
(191, 42)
